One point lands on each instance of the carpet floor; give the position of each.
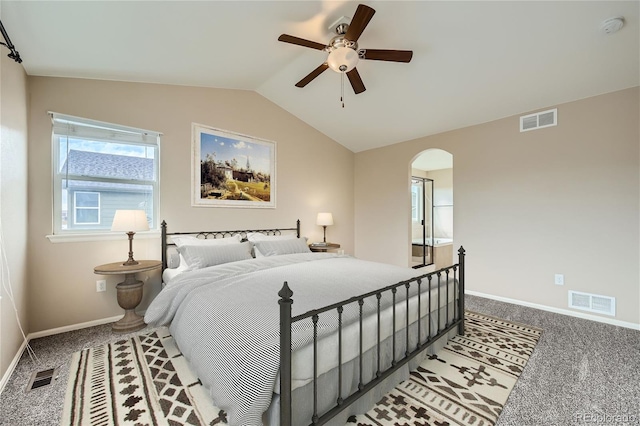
(582, 372)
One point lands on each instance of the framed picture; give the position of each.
(232, 170)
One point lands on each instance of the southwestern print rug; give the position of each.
(142, 380)
(466, 383)
(145, 380)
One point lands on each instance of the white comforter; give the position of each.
(225, 319)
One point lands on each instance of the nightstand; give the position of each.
(324, 248)
(129, 292)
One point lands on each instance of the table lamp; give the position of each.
(130, 221)
(324, 220)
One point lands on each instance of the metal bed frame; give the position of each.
(286, 320)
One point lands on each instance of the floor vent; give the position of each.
(42, 378)
(539, 120)
(592, 303)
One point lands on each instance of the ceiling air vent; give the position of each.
(592, 303)
(539, 120)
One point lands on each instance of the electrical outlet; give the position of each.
(101, 285)
(559, 279)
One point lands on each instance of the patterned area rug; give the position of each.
(145, 380)
(466, 383)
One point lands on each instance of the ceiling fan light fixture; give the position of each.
(342, 51)
(342, 59)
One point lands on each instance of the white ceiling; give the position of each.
(473, 61)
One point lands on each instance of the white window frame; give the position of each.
(79, 128)
(76, 208)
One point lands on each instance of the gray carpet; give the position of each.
(581, 372)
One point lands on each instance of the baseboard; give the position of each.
(7, 374)
(50, 332)
(72, 327)
(561, 311)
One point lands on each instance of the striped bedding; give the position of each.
(225, 320)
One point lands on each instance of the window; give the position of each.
(100, 168)
(86, 208)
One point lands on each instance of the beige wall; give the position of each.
(314, 174)
(13, 206)
(442, 186)
(563, 199)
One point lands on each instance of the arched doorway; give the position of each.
(431, 209)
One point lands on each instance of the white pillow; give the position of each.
(183, 265)
(200, 256)
(169, 274)
(278, 247)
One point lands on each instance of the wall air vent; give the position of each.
(592, 302)
(539, 120)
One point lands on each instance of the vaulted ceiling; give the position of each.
(473, 61)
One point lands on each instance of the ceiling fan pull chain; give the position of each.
(342, 89)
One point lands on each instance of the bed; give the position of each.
(283, 336)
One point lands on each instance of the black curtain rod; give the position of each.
(14, 53)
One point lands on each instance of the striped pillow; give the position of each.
(200, 256)
(278, 247)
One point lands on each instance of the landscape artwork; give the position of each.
(232, 170)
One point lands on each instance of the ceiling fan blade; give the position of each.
(313, 74)
(359, 22)
(386, 55)
(301, 42)
(356, 81)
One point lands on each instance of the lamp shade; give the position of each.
(130, 221)
(324, 219)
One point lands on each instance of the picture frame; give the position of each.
(232, 170)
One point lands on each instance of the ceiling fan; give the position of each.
(343, 50)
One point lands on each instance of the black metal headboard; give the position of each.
(217, 234)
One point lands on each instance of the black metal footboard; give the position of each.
(422, 288)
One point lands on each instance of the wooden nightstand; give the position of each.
(328, 247)
(129, 291)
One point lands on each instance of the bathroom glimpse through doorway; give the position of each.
(431, 215)
(421, 222)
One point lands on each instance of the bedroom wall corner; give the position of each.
(13, 211)
(314, 173)
(564, 199)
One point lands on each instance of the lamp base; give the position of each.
(131, 260)
(129, 294)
